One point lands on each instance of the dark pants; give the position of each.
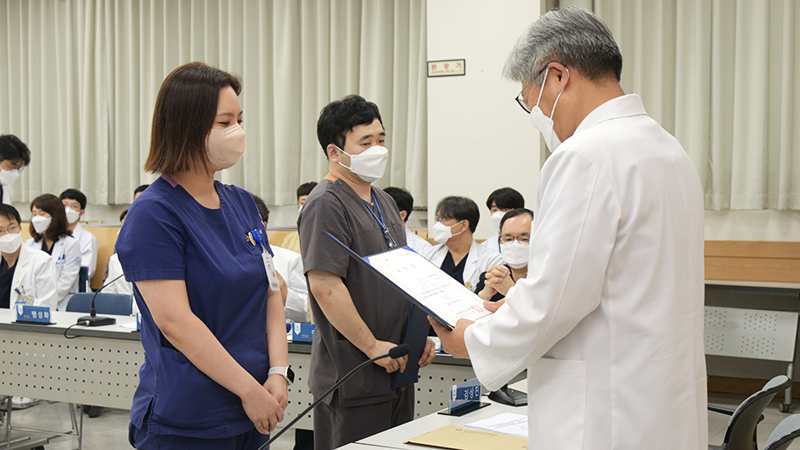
(336, 425)
(142, 440)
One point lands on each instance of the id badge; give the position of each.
(272, 274)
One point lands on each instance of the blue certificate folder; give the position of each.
(416, 334)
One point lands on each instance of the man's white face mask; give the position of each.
(544, 123)
(370, 164)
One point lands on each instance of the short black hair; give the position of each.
(403, 198)
(459, 208)
(263, 211)
(10, 213)
(140, 189)
(305, 188)
(515, 213)
(122, 215)
(505, 198)
(341, 116)
(74, 194)
(12, 148)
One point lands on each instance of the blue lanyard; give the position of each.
(386, 234)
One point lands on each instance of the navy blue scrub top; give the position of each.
(169, 236)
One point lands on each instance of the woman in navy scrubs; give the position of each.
(213, 329)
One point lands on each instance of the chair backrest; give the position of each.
(115, 304)
(740, 434)
(83, 278)
(783, 435)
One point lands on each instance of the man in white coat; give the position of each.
(75, 206)
(609, 321)
(26, 274)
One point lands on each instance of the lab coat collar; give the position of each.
(624, 106)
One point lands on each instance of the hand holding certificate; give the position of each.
(429, 287)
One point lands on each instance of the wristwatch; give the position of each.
(284, 371)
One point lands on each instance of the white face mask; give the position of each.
(370, 164)
(8, 177)
(40, 223)
(442, 233)
(10, 242)
(515, 253)
(544, 123)
(226, 147)
(497, 217)
(72, 215)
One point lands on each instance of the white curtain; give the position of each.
(724, 77)
(80, 78)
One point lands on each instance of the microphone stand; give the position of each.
(92, 320)
(396, 352)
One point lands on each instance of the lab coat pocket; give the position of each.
(556, 404)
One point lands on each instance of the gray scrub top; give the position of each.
(334, 207)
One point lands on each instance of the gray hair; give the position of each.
(569, 35)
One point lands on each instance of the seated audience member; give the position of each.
(26, 274)
(515, 237)
(289, 265)
(75, 206)
(292, 240)
(138, 191)
(405, 203)
(50, 234)
(118, 284)
(500, 202)
(457, 253)
(14, 155)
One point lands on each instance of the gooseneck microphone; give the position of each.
(396, 352)
(92, 320)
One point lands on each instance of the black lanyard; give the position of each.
(386, 234)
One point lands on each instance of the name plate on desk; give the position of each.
(36, 314)
(464, 396)
(303, 332)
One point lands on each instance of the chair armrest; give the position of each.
(721, 410)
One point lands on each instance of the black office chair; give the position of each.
(740, 433)
(115, 304)
(783, 435)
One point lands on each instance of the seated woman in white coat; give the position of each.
(457, 253)
(50, 234)
(26, 274)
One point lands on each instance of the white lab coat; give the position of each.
(290, 265)
(34, 275)
(67, 256)
(89, 244)
(609, 321)
(492, 242)
(120, 285)
(479, 259)
(416, 242)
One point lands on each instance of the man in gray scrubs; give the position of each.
(358, 316)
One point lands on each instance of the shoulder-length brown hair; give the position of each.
(185, 110)
(52, 205)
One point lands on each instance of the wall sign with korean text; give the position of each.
(447, 68)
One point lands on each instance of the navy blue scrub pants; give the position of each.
(142, 440)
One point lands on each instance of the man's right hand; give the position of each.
(391, 365)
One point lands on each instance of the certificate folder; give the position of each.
(420, 281)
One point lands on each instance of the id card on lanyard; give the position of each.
(254, 236)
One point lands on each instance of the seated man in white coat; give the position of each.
(26, 274)
(74, 202)
(457, 253)
(609, 320)
(289, 265)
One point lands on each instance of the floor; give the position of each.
(110, 430)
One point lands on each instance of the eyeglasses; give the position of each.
(507, 239)
(10, 229)
(519, 98)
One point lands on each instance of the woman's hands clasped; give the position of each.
(264, 405)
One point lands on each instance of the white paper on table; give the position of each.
(432, 288)
(128, 325)
(506, 423)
